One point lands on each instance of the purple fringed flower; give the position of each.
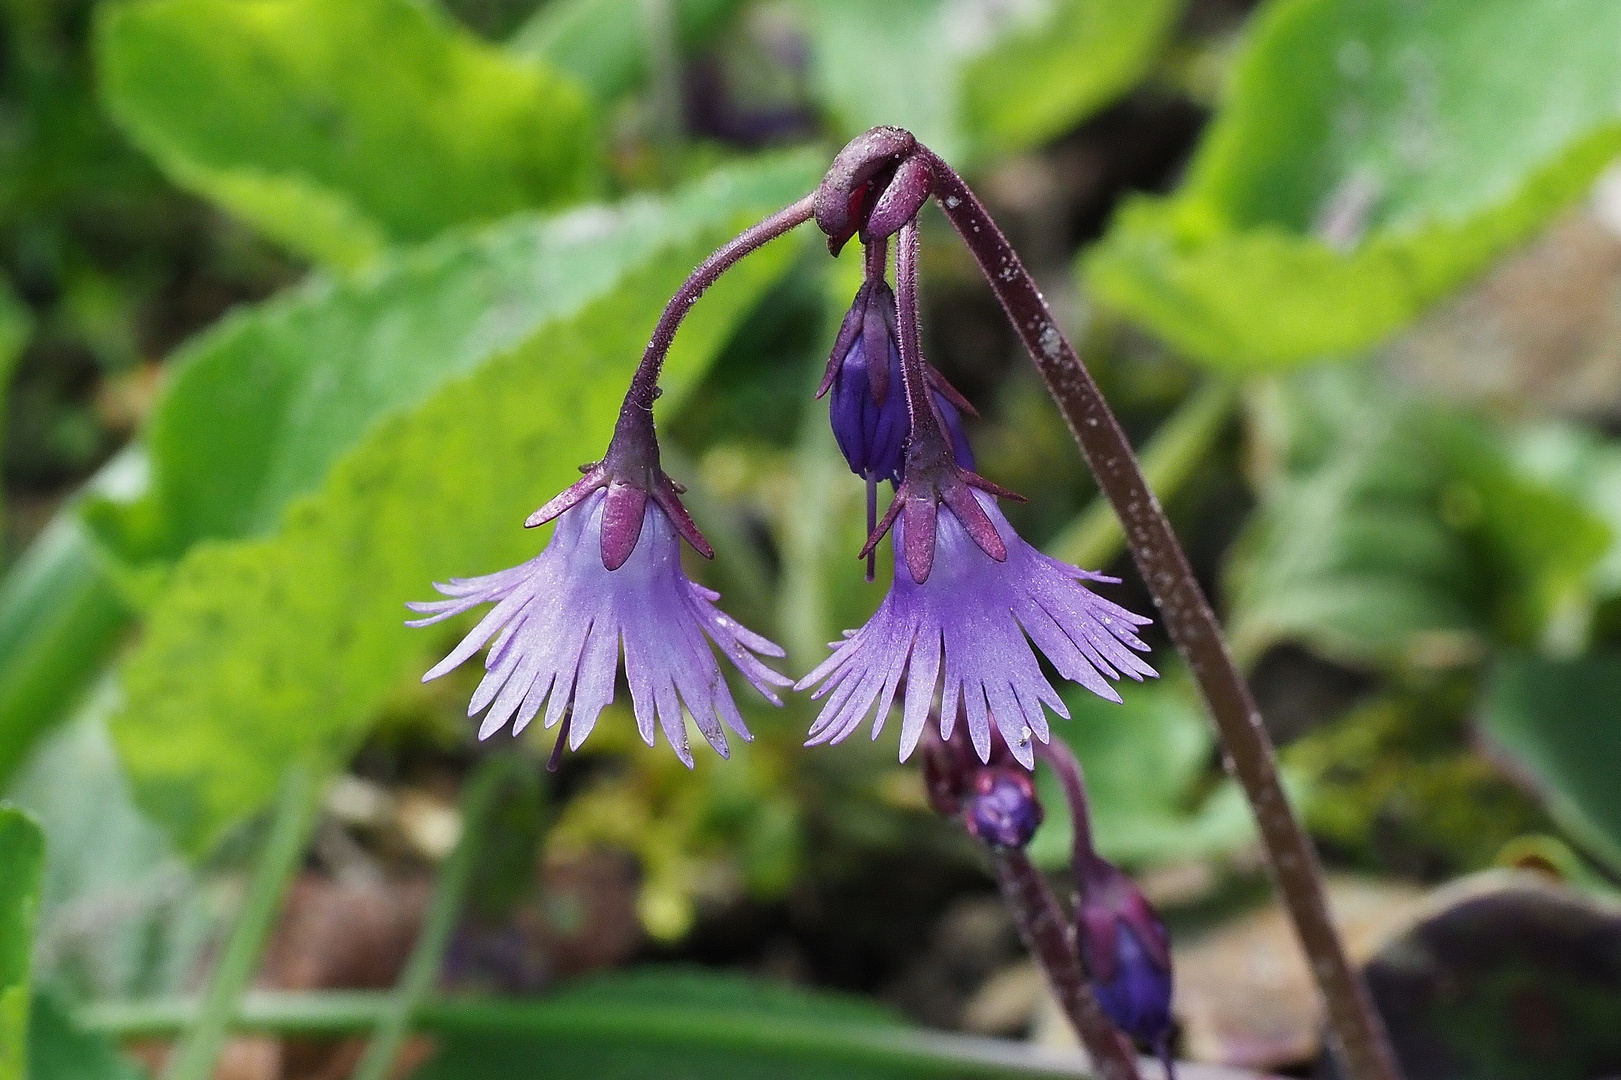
(561, 618)
(1128, 955)
(976, 611)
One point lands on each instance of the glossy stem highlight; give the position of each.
(1356, 1028)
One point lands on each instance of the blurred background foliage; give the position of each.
(306, 303)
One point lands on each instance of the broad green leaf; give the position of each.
(603, 44)
(22, 854)
(1390, 529)
(1371, 156)
(1555, 722)
(336, 128)
(1577, 461)
(258, 409)
(268, 651)
(1058, 64)
(696, 1026)
(59, 1050)
(969, 79)
(1144, 761)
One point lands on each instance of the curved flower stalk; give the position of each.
(968, 628)
(561, 619)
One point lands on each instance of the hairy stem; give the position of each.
(909, 326)
(1047, 934)
(1356, 1028)
(644, 384)
(193, 1058)
(449, 890)
(1056, 752)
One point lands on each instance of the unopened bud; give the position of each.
(1003, 810)
(1127, 953)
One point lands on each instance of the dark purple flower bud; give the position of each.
(1002, 810)
(868, 406)
(1127, 953)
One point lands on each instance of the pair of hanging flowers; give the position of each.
(969, 598)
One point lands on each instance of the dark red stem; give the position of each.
(1050, 939)
(1356, 1027)
(1056, 753)
(909, 327)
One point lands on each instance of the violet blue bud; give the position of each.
(868, 404)
(1002, 809)
(1127, 953)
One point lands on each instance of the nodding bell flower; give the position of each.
(966, 626)
(610, 579)
(1127, 953)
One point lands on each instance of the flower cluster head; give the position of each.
(972, 604)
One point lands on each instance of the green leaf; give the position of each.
(1390, 529)
(1371, 156)
(22, 855)
(970, 79)
(1347, 551)
(265, 652)
(699, 1026)
(602, 44)
(1060, 66)
(336, 128)
(1555, 722)
(58, 1049)
(1587, 467)
(1145, 760)
(259, 409)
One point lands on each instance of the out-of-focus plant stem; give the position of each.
(1168, 459)
(449, 890)
(670, 1026)
(194, 1057)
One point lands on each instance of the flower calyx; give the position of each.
(932, 477)
(630, 471)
